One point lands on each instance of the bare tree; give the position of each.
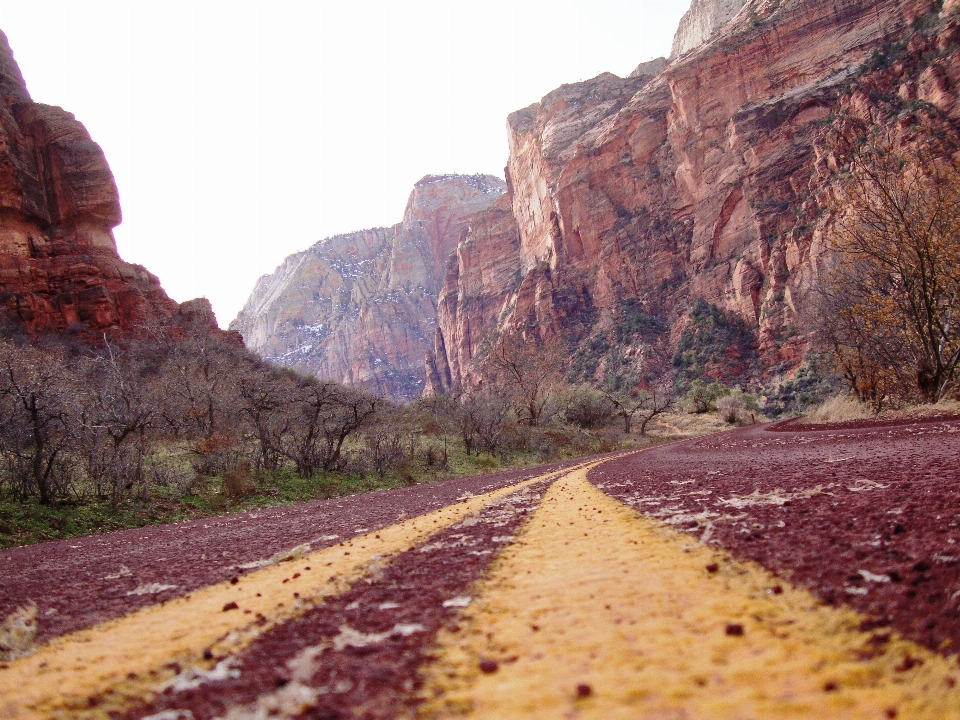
(529, 371)
(37, 419)
(325, 414)
(645, 404)
(484, 417)
(895, 289)
(264, 396)
(116, 412)
(390, 438)
(199, 374)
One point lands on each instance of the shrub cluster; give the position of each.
(733, 405)
(179, 405)
(104, 422)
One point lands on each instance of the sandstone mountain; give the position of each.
(674, 219)
(59, 267)
(361, 307)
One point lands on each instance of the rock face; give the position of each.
(630, 199)
(59, 267)
(701, 21)
(361, 308)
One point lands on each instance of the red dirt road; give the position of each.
(80, 582)
(865, 516)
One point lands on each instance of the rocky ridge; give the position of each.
(630, 200)
(59, 266)
(361, 308)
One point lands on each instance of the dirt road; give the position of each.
(778, 571)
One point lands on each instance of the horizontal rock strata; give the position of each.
(632, 199)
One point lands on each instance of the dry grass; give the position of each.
(839, 409)
(17, 632)
(949, 406)
(845, 407)
(676, 425)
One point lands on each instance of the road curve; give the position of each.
(775, 571)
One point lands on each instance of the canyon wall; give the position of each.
(701, 21)
(631, 200)
(361, 308)
(59, 267)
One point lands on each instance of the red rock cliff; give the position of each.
(361, 308)
(629, 199)
(59, 267)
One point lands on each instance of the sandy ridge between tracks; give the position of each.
(111, 665)
(596, 611)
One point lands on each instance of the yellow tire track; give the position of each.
(110, 666)
(598, 612)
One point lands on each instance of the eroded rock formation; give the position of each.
(361, 308)
(629, 199)
(59, 267)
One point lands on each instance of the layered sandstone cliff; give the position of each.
(701, 21)
(630, 200)
(59, 267)
(361, 308)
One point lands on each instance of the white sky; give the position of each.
(240, 132)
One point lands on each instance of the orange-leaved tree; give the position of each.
(891, 302)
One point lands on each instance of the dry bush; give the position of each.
(39, 422)
(839, 409)
(548, 442)
(215, 455)
(730, 408)
(587, 407)
(173, 472)
(890, 299)
(680, 424)
(952, 406)
(607, 440)
(527, 371)
(237, 482)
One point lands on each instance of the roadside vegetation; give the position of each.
(889, 309)
(847, 408)
(182, 423)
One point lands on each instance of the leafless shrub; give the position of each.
(215, 454)
(174, 472)
(38, 420)
(237, 482)
(730, 408)
(587, 407)
(325, 414)
(263, 397)
(484, 419)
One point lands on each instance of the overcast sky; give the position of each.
(242, 132)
